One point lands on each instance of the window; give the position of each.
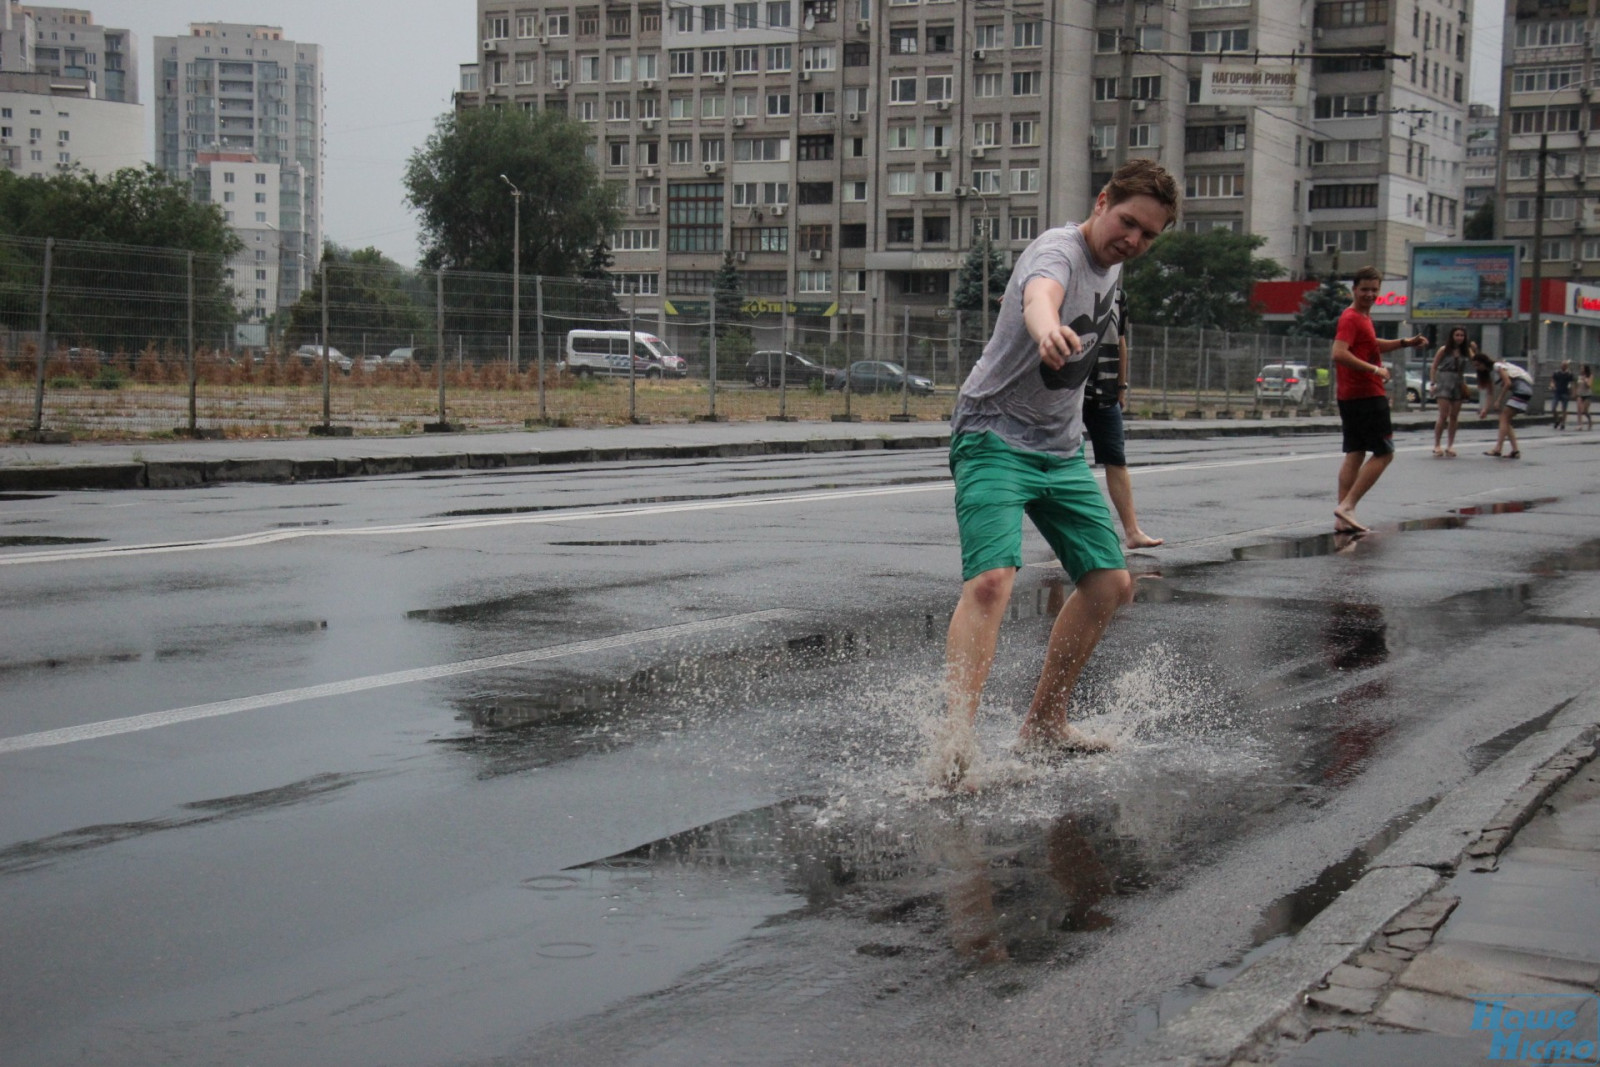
(1340, 106)
(1213, 186)
(902, 182)
(761, 149)
(713, 18)
(744, 105)
(712, 150)
(694, 217)
(499, 28)
(780, 57)
(1107, 42)
(857, 54)
(1105, 88)
(639, 283)
(714, 61)
(647, 66)
(985, 134)
(747, 60)
(936, 229)
(853, 192)
(1342, 240)
(1143, 135)
(621, 67)
(1150, 38)
(746, 16)
(1544, 79)
(814, 147)
(681, 62)
(617, 154)
(761, 239)
(1214, 138)
(588, 68)
(815, 192)
(261, 198)
(902, 230)
(713, 107)
(990, 35)
(525, 71)
(814, 281)
(1024, 132)
(1365, 151)
(936, 181)
(941, 39)
(527, 26)
(777, 104)
(1025, 180)
(939, 87)
(1025, 83)
(680, 106)
(986, 181)
(680, 150)
(988, 86)
(558, 26)
(779, 14)
(903, 42)
(1024, 227)
(814, 238)
(1146, 88)
(1223, 40)
(1532, 34)
(903, 90)
(816, 103)
(1027, 34)
(683, 19)
(853, 281)
(936, 135)
(1340, 196)
(619, 23)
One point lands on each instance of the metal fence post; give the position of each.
(538, 330)
(438, 325)
(44, 334)
(712, 370)
(783, 362)
(189, 258)
(633, 377)
(327, 381)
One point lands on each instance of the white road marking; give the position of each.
(154, 719)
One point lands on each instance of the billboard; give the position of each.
(1253, 84)
(1463, 281)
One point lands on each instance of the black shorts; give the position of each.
(1103, 425)
(1366, 425)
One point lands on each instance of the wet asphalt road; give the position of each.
(609, 765)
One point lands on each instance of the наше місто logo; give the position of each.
(1539, 1027)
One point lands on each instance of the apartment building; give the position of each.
(48, 124)
(68, 43)
(850, 153)
(1483, 156)
(239, 115)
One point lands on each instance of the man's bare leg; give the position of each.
(1355, 478)
(969, 654)
(1077, 630)
(1120, 488)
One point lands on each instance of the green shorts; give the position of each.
(996, 484)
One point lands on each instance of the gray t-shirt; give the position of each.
(1010, 392)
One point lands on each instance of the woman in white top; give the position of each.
(1515, 387)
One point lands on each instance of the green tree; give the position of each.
(734, 341)
(1320, 309)
(454, 182)
(969, 283)
(1480, 224)
(118, 297)
(371, 299)
(1199, 280)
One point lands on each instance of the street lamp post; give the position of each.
(516, 275)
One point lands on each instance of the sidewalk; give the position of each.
(1463, 942)
(173, 464)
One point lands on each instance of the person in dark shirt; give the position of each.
(1561, 393)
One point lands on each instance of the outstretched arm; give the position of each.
(1041, 313)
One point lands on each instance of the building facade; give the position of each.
(66, 42)
(242, 101)
(850, 153)
(49, 124)
(1483, 156)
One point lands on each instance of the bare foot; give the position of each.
(953, 751)
(1064, 740)
(1139, 539)
(1344, 521)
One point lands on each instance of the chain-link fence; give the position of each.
(111, 341)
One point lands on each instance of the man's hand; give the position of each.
(1381, 372)
(1057, 346)
(1418, 341)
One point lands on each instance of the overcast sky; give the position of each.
(390, 68)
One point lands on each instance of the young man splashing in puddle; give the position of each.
(1016, 447)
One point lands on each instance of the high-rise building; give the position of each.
(239, 114)
(1483, 156)
(851, 153)
(69, 93)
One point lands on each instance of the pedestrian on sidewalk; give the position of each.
(1561, 393)
(1361, 380)
(1585, 396)
(1102, 421)
(1016, 447)
(1449, 371)
(1512, 393)
(1485, 367)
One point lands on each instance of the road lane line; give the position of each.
(154, 719)
(266, 537)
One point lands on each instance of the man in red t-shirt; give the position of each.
(1363, 398)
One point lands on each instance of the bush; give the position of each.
(108, 378)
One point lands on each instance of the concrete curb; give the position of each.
(1477, 818)
(481, 453)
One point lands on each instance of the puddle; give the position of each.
(1507, 507)
(301, 525)
(1484, 753)
(23, 541)
(1329, 544)
(25, 496)
(610, 544)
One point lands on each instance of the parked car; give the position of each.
(313, 354)
(406, 357)
(879, 376)
(592, 352)
(1415, 393)
(1287, 383)
(765, 367)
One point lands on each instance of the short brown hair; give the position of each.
(1143, 177)
(1368, 274)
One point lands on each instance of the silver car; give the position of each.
(1287, 383)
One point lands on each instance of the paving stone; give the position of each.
(1413, 1009)
(1515, 961)
(1359, 977)
(1424, 915)
(1370, 1048)
(1453, 976)
(1411, 940)
(1344, 998)
(1382, 961)
(1572, 859)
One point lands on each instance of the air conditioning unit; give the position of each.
(648, 85)
(941, 153)
(741, 256)
(738, 121)
(647, 173)
(648, 124)
(976, 153)
(805, 75)
(490, 44)
(1140, 105)
(719, 78)
(778, 210)
(544, 40)
(1100, 153)
(1577, 264)
(713, 168)
(650, 209)
(855, 116)
(560, 83)
(943, 105)
(979, 55)
(863, 25)
(816, 253)
(961, 192)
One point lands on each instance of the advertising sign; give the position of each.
(1252, 84)
(1467, 281)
